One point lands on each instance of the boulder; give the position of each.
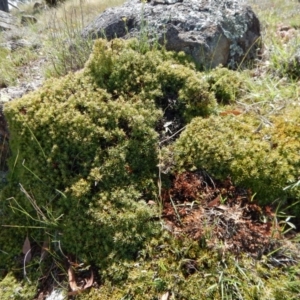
(213, 32)
(7, 21)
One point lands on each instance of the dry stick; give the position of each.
(24, 265)
(168, 138)
(33, 203)
(62, 251)
(159, 186)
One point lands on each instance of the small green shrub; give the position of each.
(265, 160)
(85, 151)
(226, 84)
(10, 288)
(87, 160)
(157, 74)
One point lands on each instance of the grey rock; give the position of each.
(13, 45)
(7, 21)
(15, 92)
(213, 32)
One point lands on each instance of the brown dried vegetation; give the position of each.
(215, 212)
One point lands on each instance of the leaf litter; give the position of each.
(219, 214)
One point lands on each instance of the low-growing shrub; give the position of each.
(262, 157)
(84, 161)
(84, 149)
(226, 84)
(10, 288)
(87, 160)
(157, 74)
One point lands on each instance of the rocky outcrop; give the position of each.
(213, 32)
(7, 21)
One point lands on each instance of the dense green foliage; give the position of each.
(71, 138)
(10, 288)
(84, 150)
(157, 74)
(227, 85)
(261, 156)
(190, 272)
(84, 162)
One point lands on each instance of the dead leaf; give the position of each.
(72, 279)
(165, 296)
(41, 296)
(89, 282)
(27, 250)
(214, 202)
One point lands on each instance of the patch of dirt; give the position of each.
(220, 215)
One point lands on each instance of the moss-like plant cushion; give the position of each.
(84, 163)
(85, 150)
(264, 157)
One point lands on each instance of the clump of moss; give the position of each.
(226, 84)
(262, 157)
(87, 160)
(85, 151)
(10, 288)
(160, 75)
(185, 270)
